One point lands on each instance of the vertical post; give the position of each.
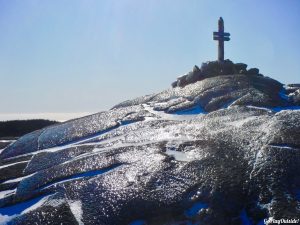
(221, 40)
(221, 36)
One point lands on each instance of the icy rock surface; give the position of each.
(218, 92)
(213, 152)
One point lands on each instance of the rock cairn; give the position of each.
(212, 69)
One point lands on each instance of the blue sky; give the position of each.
(72, 56)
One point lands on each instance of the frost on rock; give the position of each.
(213, 152)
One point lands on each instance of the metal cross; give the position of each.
(221, 36)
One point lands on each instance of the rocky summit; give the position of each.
(222, 146)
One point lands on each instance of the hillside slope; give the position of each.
(224, 149)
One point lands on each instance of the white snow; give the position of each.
(283, 146)
(276, 109)
(4, 219)
(78, 176)
(160, 114)
(17, 179)
(7, 214)
(7, 193)
(1, 167)
(60, 182)
(188, 156)
(5, 141)
(76, 209)
(149, 118)
(179, 156)
(36, 205)
(168, 116)
(75, 143)
(256, 107)
(231, 104)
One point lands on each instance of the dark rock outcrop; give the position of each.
(221, 150)
(212, 69)
(240, 67)
(253, 71)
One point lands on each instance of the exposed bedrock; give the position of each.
(222, 150)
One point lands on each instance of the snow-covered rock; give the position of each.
(223, 150)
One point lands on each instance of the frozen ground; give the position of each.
(178, 157)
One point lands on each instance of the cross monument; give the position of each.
(221, 36)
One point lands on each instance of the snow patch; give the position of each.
(80, 176)
(149, 118)
(36, 205)
(179, 156)
(230, 104)
(4, 219)
(80, 140)
(76, 209)
(283, 146)
(8, 165)
(17, 179)
(6, 193)
(275, 109)
(9, 212)
(262, 108)
(179, 115)
(171, 150)
(6, 141)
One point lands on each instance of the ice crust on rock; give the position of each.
(222, 150)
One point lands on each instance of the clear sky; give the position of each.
(71, 56)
